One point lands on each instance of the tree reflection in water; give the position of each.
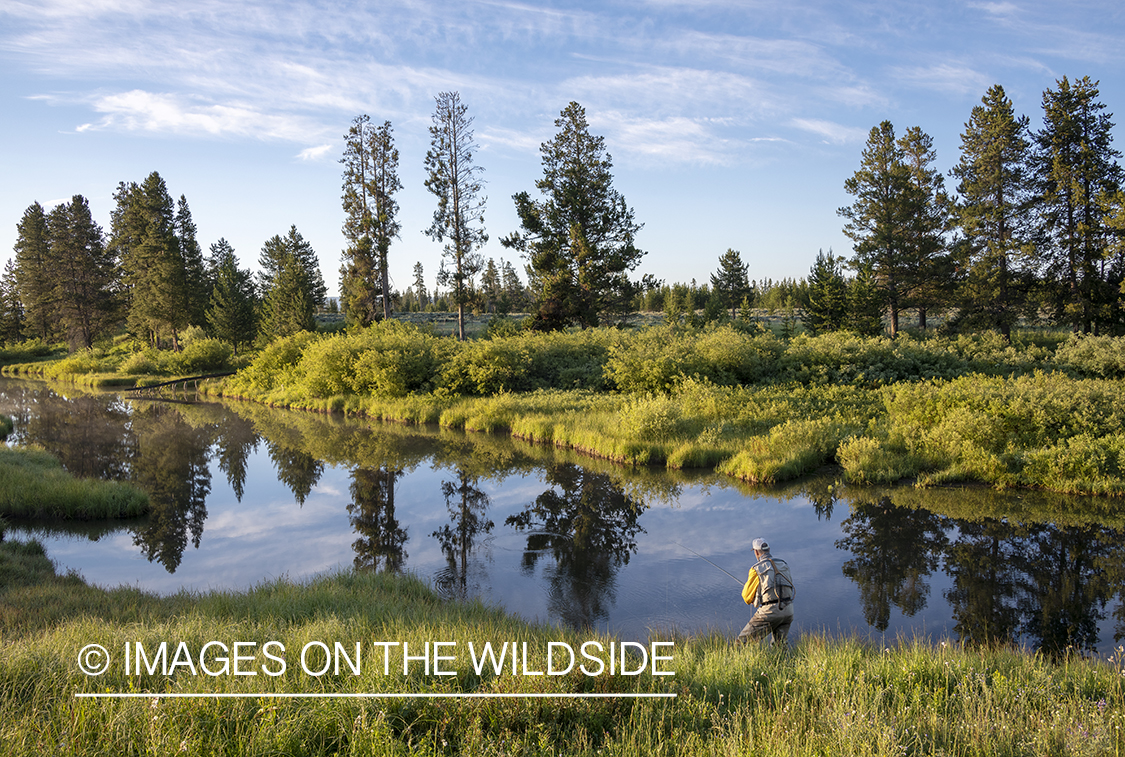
(986, 582)
(467, 504)
(381, 545)
(296, 468)
(171, 465)
(1066, 586)
(89, 434)
(590, 527)
(1041, 583)
(236, 440)
(895, 550)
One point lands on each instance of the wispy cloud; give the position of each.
(944, 77)
(832, 133)
(314, 153)
(694, 85)
(676, 139)
(163, 113)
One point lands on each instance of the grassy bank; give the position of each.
(822, 697)
(1041, 412)
(1028, 428)
(34, 485)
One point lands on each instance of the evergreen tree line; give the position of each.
(1035, 228)
(69, 280)
(499, 292)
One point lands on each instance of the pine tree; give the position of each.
(731, 282)
(490, 286)
(865, 303)
(928, 226)
(579, 239)
(745, 311)
(83, 273)
(11, 307)
(272, 258)
(1114, 209)
(828, 295)
(455, 180)
(197, 291)
(420, 286)
(34, 276)
(1075, 165)
(370, 183)
(880, 221)
(287, 307)
(231, 311)
(513, 288)
(992, 213)
(144, 239)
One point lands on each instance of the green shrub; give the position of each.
(1082, 464)
(25, 352)
(203, 355)
(274, 366)
(791, 449)
(397, 359)
(79, 363)
(1093, 356)
(490, 366)
(654, 360)
(326, 367)
(528, 361)
(150, 362)
(653, 418)
(1024, 431)
(866, 460)
(502, 327)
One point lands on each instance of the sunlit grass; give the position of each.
(33, 484)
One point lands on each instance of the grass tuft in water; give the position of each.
(33, 484)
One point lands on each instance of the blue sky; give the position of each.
(731, 124)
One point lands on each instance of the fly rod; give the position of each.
(701, 557)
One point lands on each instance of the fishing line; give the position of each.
(701, 557)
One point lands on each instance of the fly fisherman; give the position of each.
(769, 587)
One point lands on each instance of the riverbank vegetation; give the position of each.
(1033, 413)
(1040, 411)
(822, 696)
(33, 485)
(118, 364)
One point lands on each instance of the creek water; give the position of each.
(243, 494)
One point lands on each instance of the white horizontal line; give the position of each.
(369, 695)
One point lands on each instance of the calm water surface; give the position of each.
(243, 493)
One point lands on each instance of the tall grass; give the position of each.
(33, 484)
(823, 696)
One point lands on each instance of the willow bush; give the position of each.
(1043, 430)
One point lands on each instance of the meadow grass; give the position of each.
(822, 696)
(33, 484)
